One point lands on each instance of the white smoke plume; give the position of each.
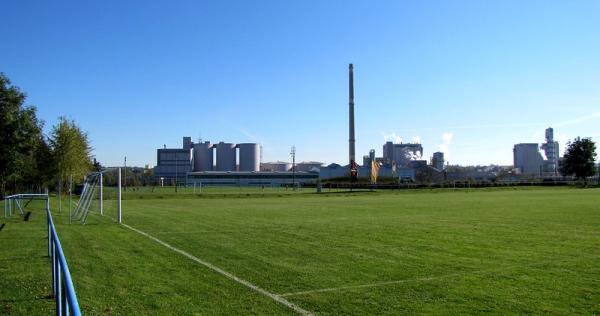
(412, 154)
(392, 137)
(416, 139)
(445, 145)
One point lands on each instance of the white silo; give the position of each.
(277, 166)
(203, 157)
(225, 156)
(249, 157)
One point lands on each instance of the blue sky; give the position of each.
(469, 77)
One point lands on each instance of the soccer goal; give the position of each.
(99, 195)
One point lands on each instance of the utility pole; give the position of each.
(293, 153)
(175, 172)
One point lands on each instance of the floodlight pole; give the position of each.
(100, 196)
(119, 197)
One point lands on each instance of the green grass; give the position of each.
(435, 251)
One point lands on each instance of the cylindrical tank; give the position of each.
(203, 157)
(225, 156)
(249, 157)
(278, 166)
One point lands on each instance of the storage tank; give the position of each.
(249, 157)
(225, 156)
(203, 157)
(276, 166)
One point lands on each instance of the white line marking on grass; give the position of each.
(360, 286)
(275, 297)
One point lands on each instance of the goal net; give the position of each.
(100, 194)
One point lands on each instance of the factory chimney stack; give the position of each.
(351, 140)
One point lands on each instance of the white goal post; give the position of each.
(93, 188)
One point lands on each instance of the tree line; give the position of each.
(29, 159)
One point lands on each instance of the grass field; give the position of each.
(442, 251)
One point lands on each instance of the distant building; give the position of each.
(550, 148)
(251, 178)
(279, 166)
(527, 159)
(367, 159)
(437, 161)
(306, 166)
(401, 154)
(173, 163)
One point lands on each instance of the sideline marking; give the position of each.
(350, 287)
(275, 297)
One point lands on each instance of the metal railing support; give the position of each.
(62, 284)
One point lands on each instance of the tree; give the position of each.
(579, 159)
(71, 150)
(20, 138)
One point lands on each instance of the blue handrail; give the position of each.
(62, 284)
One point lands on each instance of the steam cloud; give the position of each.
(392, 137)
(445, 145)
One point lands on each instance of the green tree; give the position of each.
(20, 138)
(71, 151)
(579, 159)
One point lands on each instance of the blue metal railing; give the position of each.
(62, 285)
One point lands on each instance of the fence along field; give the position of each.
(496, 250)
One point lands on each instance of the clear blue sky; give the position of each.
(139, 74)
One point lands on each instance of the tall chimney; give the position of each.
(351, 140)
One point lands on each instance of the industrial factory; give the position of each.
(236, 164)
(529, 161)
(239, 164)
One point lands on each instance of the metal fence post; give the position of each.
(54, 262)
(49, 235)
(100, 197)
(119, 197)
(58, 292)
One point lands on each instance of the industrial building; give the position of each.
(550, 148)
(246, 178)
(528, 160)
(278, 166)
(307, 166)
(173, 164)
(228, 164)
(402, 154)
(437, 161)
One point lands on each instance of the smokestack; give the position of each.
(351, 140)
